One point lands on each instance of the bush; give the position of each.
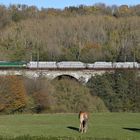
(71, 96)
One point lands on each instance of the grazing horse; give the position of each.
(83, 117)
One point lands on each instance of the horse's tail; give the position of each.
(85, 122)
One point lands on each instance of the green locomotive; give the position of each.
(10, 64)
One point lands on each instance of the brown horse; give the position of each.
(83, 117)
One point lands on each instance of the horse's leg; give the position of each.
(80, 127)
(85, 127)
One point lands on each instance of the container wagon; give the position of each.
(42, 65)
(71, 65)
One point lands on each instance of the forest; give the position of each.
(110, 92)
(82, 33)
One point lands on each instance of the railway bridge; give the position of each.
(74, 69)
(81, 75)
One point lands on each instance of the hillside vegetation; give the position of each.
(85, 33)
(82, 33)
(115, 92)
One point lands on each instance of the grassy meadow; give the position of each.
(101, 126)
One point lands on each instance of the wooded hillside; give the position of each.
(85, 33)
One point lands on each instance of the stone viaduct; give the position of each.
(81, 75)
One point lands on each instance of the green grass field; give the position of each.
(106, 126)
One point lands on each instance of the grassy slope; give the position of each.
(101, 125)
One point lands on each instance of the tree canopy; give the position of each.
(85, 33)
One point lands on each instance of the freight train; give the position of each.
(68, 65)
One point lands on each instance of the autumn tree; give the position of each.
(13, 94)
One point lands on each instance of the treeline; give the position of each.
(84, 33)
(21, 11)
(120, 91)
(114, 92)
(23, 95)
